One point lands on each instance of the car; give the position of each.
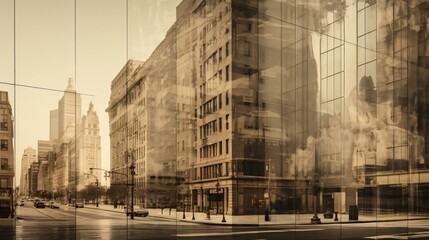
(142, 213)
(40, 204)
(53, 205)
(22, 203)
(79, 205)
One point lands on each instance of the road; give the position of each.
(85, 223)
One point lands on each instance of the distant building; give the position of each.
(143, 106)
(69, 113)
(33, 177)
(28, 157)
(44, 148)
(53, 125)
(89, 147)
(7, 162)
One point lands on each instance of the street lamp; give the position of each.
(316, 189)
(217, 200)
(132, 172)
(183, 205)
(217, 196)
(96, 183)
(267, 208)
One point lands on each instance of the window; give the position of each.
(220, 55)
(227, 122)
(227, 73)
(227, 146)
(220, 148)
(220, 101)
(246, 48)
(3, 126)
(227, 49)
(3, 145)
(220, 124)
(4, 164)
(3, 183)
(227, 98)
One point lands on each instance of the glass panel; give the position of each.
(271, 113)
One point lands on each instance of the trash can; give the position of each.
(353, 212)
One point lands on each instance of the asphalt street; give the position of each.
(85, 223)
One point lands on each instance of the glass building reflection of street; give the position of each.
(289, 117)
(279, 114)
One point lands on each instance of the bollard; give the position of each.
(169, 211)
(162, 210)
(336, 216)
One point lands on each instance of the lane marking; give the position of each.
(244, 233)
(411, 235)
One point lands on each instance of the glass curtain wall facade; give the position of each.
(250, 112)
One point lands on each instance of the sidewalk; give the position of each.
(256, 220)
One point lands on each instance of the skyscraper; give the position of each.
(69, 112)
(89, 146)
(28, 157)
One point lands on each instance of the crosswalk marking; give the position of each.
(244, 232)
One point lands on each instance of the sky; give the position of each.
(45, 42)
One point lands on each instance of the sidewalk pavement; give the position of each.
(259, 220)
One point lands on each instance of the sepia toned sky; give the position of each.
(52, 40)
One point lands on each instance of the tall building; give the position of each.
(44, 148)
(285, 107)
(118, 121)
(143, 104)
(89, 146)
(33, 175)
(7, 170)
(69, 112)
(28, 157)
(53, 125)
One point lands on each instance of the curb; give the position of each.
(302, 224)
(274, 224)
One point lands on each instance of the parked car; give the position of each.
(22, 203)
(142, 213)
(79, 205)
(40, 204)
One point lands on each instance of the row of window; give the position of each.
(211, 61)
(213, 105)
(213, 82)
(213, 171)
(212, 127)
(214, 149)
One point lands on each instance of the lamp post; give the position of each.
(267, 208)
(217, 200)
(316, 189)
(132, 168)
(217, 196)
(192, 202)
(183, 205)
